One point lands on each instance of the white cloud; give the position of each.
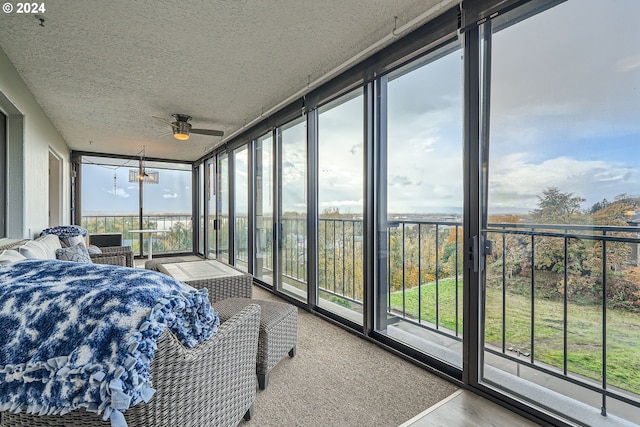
(629, 63)
(120, 192)
(516, 180)
(170, 195)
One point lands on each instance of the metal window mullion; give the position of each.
(312, 219)
(251, 192)
(377, 230)
(231, 179)
(276, 232)
(472, 295)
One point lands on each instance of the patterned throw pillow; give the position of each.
(68, 242)
(65, 231)
(70, 235)
(93, 249)
(77, 253)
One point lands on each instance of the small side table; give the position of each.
(150, 254)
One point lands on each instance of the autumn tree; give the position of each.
(555, 207)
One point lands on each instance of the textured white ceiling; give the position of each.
(101, 69)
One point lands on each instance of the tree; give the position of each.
(555, 207)
(597, 206)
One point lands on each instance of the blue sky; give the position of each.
(172, 194)
(566, 113)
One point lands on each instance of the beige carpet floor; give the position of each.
(338, 379)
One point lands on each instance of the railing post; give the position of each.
(603, 410)
(419, 273)
(533, 297)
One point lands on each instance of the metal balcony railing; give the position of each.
(538, 277)
(561, 299)
(178, 238)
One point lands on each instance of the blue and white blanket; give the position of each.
(76, 335)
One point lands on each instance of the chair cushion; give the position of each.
(77, 253)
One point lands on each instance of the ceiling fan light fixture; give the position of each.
(181, 130)
(181, 136)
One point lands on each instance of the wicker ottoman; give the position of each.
(278, 334)
(153, 263)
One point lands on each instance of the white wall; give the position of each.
(31, 136)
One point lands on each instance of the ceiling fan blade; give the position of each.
(211, 132)
(165, 121)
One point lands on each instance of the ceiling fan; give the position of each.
(182, 128)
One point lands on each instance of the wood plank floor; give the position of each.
(464, 408)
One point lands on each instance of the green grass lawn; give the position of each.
(584, 323)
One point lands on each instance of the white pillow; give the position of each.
(51, 243)
(9, 256)
(33, 250)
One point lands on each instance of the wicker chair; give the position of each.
(114, 255)
(13, 244)
(213, 384)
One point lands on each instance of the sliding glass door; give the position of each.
(421, 217)
(241, 207)
(263, 208)
(222, 229)
(340, 206)
(200, 193)
(212, 208)
(291, 222)
(3, 174)
(561, 282)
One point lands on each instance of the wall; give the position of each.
(31, 136)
